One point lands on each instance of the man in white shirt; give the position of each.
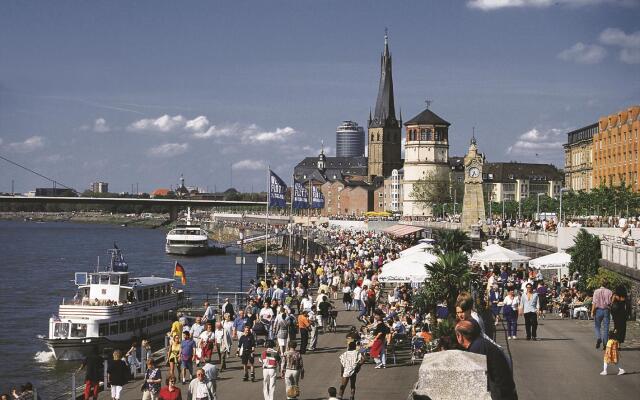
(201, 388)
(306, 304)
(356, 298)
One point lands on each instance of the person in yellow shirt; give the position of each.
(176, 328)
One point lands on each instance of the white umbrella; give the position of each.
(410, 268)
(494, 253)
(419, 248)
(559, 259)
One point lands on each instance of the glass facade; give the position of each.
(349, 140)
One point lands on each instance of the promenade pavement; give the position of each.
(564, 363)
(322, 370)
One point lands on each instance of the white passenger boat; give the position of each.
(111, 309)
(190, 240)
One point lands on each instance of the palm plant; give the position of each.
(451, 241)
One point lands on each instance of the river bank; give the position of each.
(88, 217)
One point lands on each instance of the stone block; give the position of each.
(452, 375)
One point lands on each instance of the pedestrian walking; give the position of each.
(612, 353)
(187, 356)
(270, 360)
(292, 371)
(93, 364)
(600, 312)
(510, 312)
(118, 374)
(530, 308)
(619, 312)
(304, 326)
(350, 363)
(346, 296)
(246, 349)
(170, 391)
(152, 381)
(200, 388)
(379, 346)
(132, 359)
(173, 355)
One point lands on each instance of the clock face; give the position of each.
(474, 172)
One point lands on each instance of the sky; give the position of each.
(140, 92)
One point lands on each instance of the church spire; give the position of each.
(385, 113)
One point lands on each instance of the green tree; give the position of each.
(585, 254)
(614, 279)
(451, 241)
(438, 192)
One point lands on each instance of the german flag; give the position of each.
(179, 273)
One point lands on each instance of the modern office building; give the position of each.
(615, 149)
(578, 158)
(350, 140)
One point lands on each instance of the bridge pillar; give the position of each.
(173, 213)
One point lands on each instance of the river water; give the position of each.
(40, 260)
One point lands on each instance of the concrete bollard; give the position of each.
(443, 374)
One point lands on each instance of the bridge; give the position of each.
(172, 204)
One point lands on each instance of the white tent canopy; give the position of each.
(494, 253)
(409, 268)
(555, 260)
(419, 248)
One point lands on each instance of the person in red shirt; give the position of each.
(171, 391)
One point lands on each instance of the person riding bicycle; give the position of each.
(323, 309)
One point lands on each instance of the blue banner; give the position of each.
(317, 198)
(277, 189)
(300, 195)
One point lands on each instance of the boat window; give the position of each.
(115, 280)
(113, 328)
(103, 329)
(61, 329)
(95, 279)
(130, 296)
(149, 320)
(124, 279)
(123, 326)
(104, 279)
(78, 330)
(155, 319)
(152, 293)
(166, 315)
(145, 294)
(143, 323)
(130, 325)
(81, 278)
(139, 297)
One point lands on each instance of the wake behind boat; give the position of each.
(110, 309)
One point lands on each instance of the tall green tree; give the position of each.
(585, 254)
(434, 191)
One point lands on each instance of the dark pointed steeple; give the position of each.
(385, 112)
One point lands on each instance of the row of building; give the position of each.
(604, 152)
(353, 183)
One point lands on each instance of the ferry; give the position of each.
(111, 309)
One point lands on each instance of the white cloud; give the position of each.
(630, 56)
(583, 53)
(278, 135)
(198, 124)
(617, 37)
(251, 165)
(163, 124)
(488, 5)
(534, 141)
(100, 125)
(28, 145)
(214, 132)
(629, 43)
(168, 150)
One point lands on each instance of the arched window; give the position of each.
(378, 137)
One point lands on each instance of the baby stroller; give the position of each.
(418, 349)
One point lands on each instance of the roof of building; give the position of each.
(510, 171)
(385, 111)
(427, 117)
(582, 134)
(161, 192)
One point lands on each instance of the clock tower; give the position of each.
(473, 204)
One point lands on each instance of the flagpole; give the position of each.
(266, 225)
(293, 189)
(309, 217)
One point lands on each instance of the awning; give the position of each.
(402, 230)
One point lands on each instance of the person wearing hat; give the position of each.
(530, 308)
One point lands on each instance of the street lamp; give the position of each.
(538, 206)
(561, 191)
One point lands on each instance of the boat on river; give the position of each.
(190, 240)
(111, 309)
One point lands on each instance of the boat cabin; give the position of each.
(116, 288)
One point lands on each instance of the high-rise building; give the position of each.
(578, 158)
(615, 149)
(99, 187)
(384, 135)
(349, 140)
